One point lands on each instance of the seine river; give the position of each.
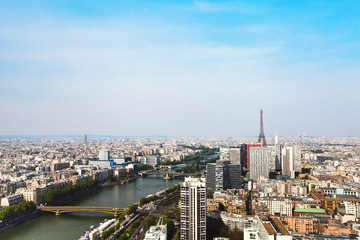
(72, 226)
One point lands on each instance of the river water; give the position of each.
(72, 226)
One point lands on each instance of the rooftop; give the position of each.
(310, 210)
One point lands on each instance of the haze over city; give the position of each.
(179, 68)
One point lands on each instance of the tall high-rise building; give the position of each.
(288, 167)
(225, 154)
(261, 133)
(297, 157)
(232, 154)
(243, 155)
(235, 155)
(277, 147)
(193, 209)
(104, 155)
(223, 175)
(275, 155)
(84, 139)
(248, 147)
(291, 160)
(259, 163)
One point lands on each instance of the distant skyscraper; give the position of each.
(84, 139)
(275, 155)
(232, 154)
(297, 157)
(104, 155)
(225, 154)
(248, 147)
(288, 167)
(259, 163)
(223, 175)
(262, 134)
(291, 160)
(235, 155)
(193, 209)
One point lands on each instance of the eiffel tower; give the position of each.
(261, 134)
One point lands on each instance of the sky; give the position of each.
(179, 68)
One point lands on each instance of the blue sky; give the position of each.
(180, 68)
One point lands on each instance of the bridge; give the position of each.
(175, 175)
(67, 209)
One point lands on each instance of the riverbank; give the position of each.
(61, 202)
(73, 225)
(107, 184)
(20, 220)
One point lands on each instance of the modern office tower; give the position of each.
(193, 209)
(291, 160)
(104, 155)
(223, 175)
(232, 154)
(275, 155)
(259, 163)
(243, 156)
(272, 163)
(84, 139)
(225, 154)
(233, 176)
(297, 157)
(287, 160)
(261, 133)
(248, 147)
(214, 176)
(235, 155)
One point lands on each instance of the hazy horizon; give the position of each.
(179, 68)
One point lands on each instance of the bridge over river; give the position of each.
(66, 209)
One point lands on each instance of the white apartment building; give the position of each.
(278, 206)
(158, 232)
(259, 163)
(193, 209)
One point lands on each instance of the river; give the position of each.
(72, 226)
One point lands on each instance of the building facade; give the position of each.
(259, 163)
(223, 175)
(193, 209)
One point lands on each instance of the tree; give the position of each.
(210, 193)
(135, 224)
(111, 177)
(132, 209)
(150, 222)
(121, 218)
(170, 227)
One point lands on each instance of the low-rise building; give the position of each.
(158, 232)
(11, 200)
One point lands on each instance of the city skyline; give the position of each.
(185, 68)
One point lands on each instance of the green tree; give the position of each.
(210, 193)
(150, 222)
(132, 209)
(135, 225)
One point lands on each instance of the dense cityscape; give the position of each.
(217, 188)
(179, 120)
